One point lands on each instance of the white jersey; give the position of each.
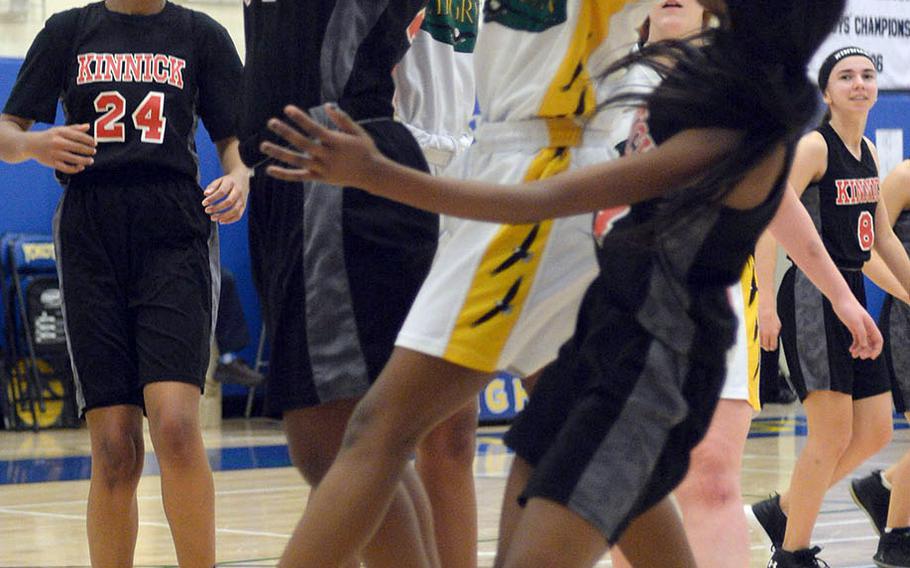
(544, 58)
(434, 81)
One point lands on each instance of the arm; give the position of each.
(891, 251)
(793, 228)
(226, 197)
(877, 271)
(349, 158)
(65, 148)
(765, 267)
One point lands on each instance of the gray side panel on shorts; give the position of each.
(811, 336)
(80, 397)
(610, 486)
(899, 334)
(339, 368)
(351, 22)
(214, 244)
(812, 347)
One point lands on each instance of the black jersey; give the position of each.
(140, 81)
(308, 52)
(679, 292)
(842, 204)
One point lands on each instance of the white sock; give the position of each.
(885, 483)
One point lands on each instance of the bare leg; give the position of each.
(638, 542)
(118, 454)
(710, 496)
(548, 535)
(413, 394)
(314, 435)
(445, 462)
(511, 511)
(872, 429)
(830, 429)
(187, 487)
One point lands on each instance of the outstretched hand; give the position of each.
(346, 157)
(867, 339)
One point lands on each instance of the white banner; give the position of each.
(879, 26)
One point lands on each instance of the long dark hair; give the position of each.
(748, 74)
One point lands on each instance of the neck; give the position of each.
(135, 7)
(850, 129)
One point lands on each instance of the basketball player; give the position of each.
(709, 497)
(137, 252)
(645, 398)
(847, 402)
(434, 97)
(335, 271)
(884, 495)
(499, 297)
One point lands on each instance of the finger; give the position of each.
(78, 133)
(289, 174)
(76, 159)
(217, 193)
(306, 123)
(222, 207)
(67, 168)
(343, 120)
(78, 148)
(294, 137)
(288, 156)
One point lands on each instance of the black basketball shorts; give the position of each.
(136, 255)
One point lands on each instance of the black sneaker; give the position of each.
(805, 558)
(893, 550)
(873, 498)
(770, 517)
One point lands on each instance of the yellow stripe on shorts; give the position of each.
(503, 280)
(750, 317)
(506, 272)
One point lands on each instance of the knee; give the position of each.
(876, 434)
(374, 428)
(830, 444)
(312, 461)
(451, 445)
(118, 460)
(177, 438)
(712, 482)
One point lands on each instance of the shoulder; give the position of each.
(872, 149)
(64, 22)
(900, 175)
(204, 24)
(813, 148)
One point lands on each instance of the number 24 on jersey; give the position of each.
(148, 117)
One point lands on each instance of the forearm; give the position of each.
(14, 143)
(793, 228)
(895, 258)
(229, 156)
(765, 268)
(881, 275)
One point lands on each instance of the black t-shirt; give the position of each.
(308, 52)
(842, 204)
(140, 81)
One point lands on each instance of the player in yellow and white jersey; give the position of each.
(435, 98)
(498, 296)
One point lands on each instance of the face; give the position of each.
(852, 85)
(674, 19)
